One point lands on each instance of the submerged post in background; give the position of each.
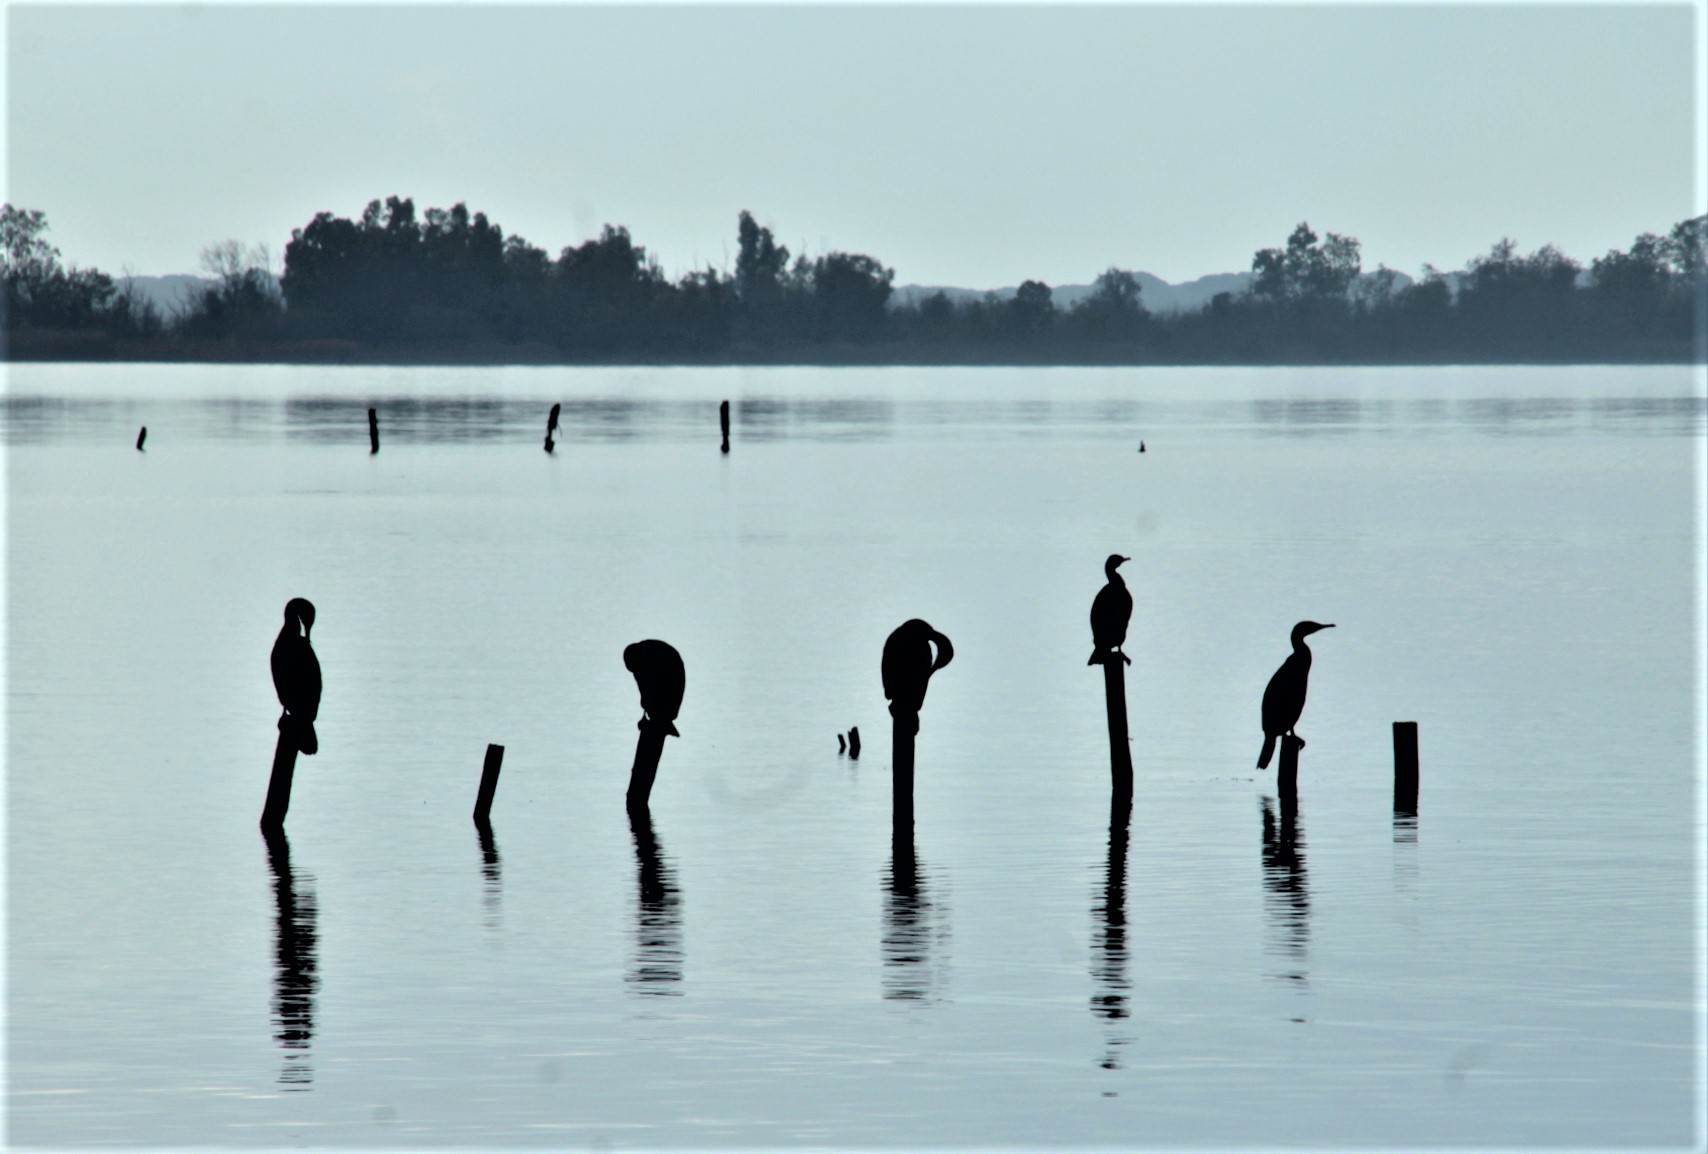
(1405, 767)
(723, 423)
(373, 431)
(488, 783)
(141, 436)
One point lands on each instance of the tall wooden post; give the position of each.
(1115, 703)
(723, 423)
(1287, 773)
(902, 730)
(279, 785)
(373, 432)
(141, 436)
(488, 783)
(648, 749)
(1405, 767)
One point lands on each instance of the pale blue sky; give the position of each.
(965, 145)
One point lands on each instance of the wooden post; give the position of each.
(1405, 767)
(1287, 773)
(854, 742)
(488, 783)
(279, 785)
(141, 436)
(902, 730)
(723, 423)
(648, 749)
(1115, 702)
(373, 432)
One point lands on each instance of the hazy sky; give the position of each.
(961, 145)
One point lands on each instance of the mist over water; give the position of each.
(1509, 555)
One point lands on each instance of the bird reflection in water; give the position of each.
(1109, 936)
(491, 873)
(658, 916)
(295, 966)
(911, 922)
(1286, 889)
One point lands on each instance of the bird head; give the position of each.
(1113, 563)
(300, 610)
(1305, 628)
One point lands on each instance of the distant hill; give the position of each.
(1156, 294)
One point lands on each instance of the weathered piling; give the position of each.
(488, 783)
(373, 432)
(907, 667)
(1115, 704)
(723, 423)
(1405, 767)
(854, 742)
(649, 747)
(141, 436)
(660, 677)
(279, 785)
(1287, 773)
(551, 425)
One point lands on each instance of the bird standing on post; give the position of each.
(660, 677)
(296, 675)
(1111, 609)
(908, 664)
(1284, 699)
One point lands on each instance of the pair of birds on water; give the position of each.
(1283, 698)
(912, 653)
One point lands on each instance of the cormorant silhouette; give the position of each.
(1111, 609)
(296, 674)
(908, 664)
(1284, 699)
(659, 675)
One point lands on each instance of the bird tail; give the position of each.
(1098, 657)
(1268, 751)
(671, 730)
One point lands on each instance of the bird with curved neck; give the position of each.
(660, 677)
(908, 665)
(1284, 698)
(296, 675)
(1111, 609)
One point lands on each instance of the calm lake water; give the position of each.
(1511, 557)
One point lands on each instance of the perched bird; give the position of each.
(908, 665)
(1111, 609)
(296, 674)
(1284, 699)
(659, 675)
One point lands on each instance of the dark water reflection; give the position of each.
(1110, 984)
(491, 873)
(295, 965)
(915, 924)
(657, 967)
(1286, 888)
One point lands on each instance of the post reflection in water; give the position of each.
(911, 920)
(1109, 935)
(295, 966)
(658, 915)
(1286, 889)
(492, 877)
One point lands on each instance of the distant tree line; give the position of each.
(448, 284)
